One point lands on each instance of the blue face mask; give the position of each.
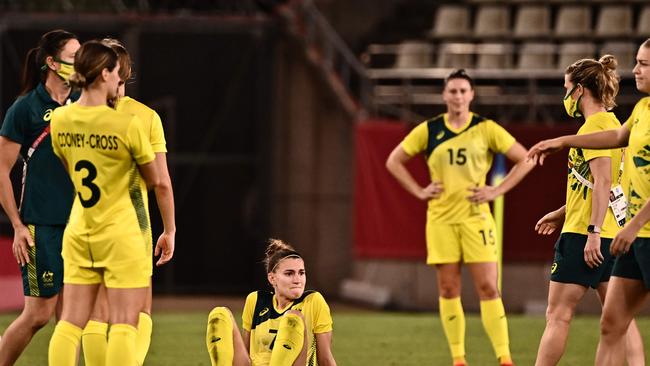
(572, 105)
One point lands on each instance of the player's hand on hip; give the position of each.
(482, 194)
(432, 191)
(593, 256)
(165, 247)
(22, 240)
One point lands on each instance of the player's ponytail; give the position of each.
(599, 77)
(276, 251)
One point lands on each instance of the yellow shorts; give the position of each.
(472, 241)
(119, 261)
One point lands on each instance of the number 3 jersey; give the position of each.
(261, 317)
(459, 159)
(101, 149)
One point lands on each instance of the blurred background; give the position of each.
(279, 115)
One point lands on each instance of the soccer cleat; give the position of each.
(506, 361)
(460, 361)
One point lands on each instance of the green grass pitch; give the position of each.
(363, 338)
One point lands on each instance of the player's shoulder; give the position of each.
(643, 103)
(313, 296)
(133, 106)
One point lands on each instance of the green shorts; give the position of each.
(635, 264)
(569, 263)
(43, 275)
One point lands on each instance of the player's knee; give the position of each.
(38, 319)
(449, 289)
(487, 290)
(297, 313)
(561, 314)
(612, 326)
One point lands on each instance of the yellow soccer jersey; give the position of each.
(150, 121)
(460, 159)
(261, 318)
(636, 174)
(102, 149)
(578, 196)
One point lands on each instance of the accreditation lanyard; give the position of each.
(30, 152)
(617, 200)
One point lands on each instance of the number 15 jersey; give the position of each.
(101, 149)
(459, 159)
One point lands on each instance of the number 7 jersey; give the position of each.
(460, 159)
(101, 149)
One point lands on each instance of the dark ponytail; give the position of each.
(34, 68)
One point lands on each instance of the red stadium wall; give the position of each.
(389, 223)
(11, 286)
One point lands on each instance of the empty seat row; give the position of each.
(535, 20)
(529, 55)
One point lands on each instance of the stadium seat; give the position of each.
(643, 28)
(614, 20)
(451, 20)
(414, 54)
(494, 56)
(625, 53)
(573, 20)
(532, 21)
(456, 55)
(492, 20)
(536, 55)
(571, 52)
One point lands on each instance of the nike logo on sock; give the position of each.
(215, 339)
(286, 346)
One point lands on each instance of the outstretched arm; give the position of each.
(598, 140)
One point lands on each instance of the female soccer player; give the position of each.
(109, 159)
(582, 257)
(94, 334)
(630, 280)
(47, 194)
(458, 146)
(284, 327)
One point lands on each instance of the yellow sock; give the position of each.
(453, 322)
(94, 343)
(121, 345)
(218, 337)
(289, 341)
(143, 339)
(63, 344)
(493, 316)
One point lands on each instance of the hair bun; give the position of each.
(609, 62)
(276, 245)
(77, 80)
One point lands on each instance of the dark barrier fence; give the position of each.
(211, 81)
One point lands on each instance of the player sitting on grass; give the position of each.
(286, 326)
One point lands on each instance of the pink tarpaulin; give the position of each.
(11, 286)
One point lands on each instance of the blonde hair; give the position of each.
(599, 77)
(123, 57)
(276, 251)
(90, 60)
